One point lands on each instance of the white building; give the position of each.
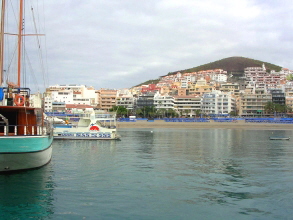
(184, 84)
(47, 103)
(219, 77)
(217, 103)
(163, 101)
(126, 99)
(74, 94)
(36, 100)
(65, 96)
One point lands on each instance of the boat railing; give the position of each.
(22, 130)
(106, 116)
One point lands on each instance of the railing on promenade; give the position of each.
(270, 120)
(186, 120)
(225, 119)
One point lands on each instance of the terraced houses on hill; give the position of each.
(189, 94)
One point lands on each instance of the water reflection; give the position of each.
(212, 166)
(27, 194)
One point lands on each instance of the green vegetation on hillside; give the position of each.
(151, 81)
(233, 65)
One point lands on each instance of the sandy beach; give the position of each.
(240, 124)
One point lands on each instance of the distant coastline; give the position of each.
(241, 124)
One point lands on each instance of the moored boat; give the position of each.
(25, 137)
(87, 125)
(279, 138)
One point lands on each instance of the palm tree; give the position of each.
(270, 108)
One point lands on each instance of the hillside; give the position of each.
(234, 65)
(231, 65)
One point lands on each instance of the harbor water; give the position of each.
(159, 174)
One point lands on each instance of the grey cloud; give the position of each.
(118, 44)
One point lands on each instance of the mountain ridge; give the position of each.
(233, 65)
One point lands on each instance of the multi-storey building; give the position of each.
(107, 99)
(199, 88)
(261, 79)
(73, 94)
(232, 88)
(219, 77)
(187, 105)
(163, 101)
(58, 106)
(127, 101)
(252, 104)
(289, 99)
(65, 96)
(145, 100)
(182, 91)
(218, 103)
(47, 103)
(278, 96)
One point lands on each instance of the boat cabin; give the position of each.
(16, 116)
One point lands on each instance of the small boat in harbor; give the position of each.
(279, 138)
(87, 126)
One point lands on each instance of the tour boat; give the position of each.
(25, 137)
(87, 126)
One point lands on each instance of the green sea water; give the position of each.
(158, 174)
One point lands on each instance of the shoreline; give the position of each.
(240, 124)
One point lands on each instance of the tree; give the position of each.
(233, 113)
(120, 110)
(289, 77)
(139, 112)
(270, 108)
(197, 113)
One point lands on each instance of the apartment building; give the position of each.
(232, 88)
(107, 98)
(289, 99)
(252, 104)
(219, 77)
(163, 101)
(218, 103)
(278, 96)
(187, 105)
(145, 100)
(73, 94)
(261, 79)
(58, 106)
(199, 88)
(127, 101)
(47, 103)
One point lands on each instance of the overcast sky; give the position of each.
(121, 43)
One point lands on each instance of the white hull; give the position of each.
(70, 135)
(22, 161)
(90, 126)
(78, 138)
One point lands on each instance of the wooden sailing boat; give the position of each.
(25, 137)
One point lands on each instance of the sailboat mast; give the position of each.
(2, 41)
(20, 29)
